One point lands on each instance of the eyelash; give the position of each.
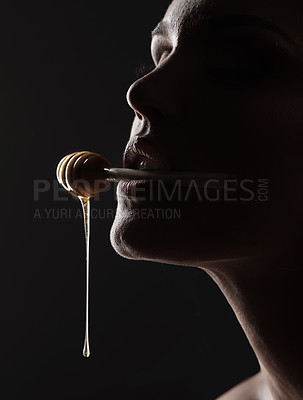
(143, 70)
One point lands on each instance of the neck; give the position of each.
(268, 304)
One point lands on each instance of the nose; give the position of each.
(142, 98)
(153, 96)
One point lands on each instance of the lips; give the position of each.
(142, 153)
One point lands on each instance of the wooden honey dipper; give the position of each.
(85, 174)
(81, 173)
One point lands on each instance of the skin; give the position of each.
(204, 117)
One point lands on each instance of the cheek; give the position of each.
(275, 134)
(253, 132)
(274, 148)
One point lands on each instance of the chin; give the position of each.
(139, 238)
(193, 239)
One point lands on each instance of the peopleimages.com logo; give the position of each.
(212, 190)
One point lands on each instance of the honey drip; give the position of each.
(85, 202)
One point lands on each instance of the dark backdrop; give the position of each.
(157, 331)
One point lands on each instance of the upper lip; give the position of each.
(142, 149)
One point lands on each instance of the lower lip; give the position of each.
(135, 189)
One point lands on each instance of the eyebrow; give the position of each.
(211, 25)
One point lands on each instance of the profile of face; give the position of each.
(225, 97)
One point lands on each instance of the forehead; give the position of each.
(183, 14)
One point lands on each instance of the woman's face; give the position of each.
(225, 96)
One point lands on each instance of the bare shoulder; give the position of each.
(253, 388)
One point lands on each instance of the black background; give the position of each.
(157, 331)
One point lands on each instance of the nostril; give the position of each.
(138, 115)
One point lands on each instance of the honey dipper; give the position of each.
(85, 174)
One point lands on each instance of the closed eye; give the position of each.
(160, 55)
(143, 70)
(161, 47)
(146, 68)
